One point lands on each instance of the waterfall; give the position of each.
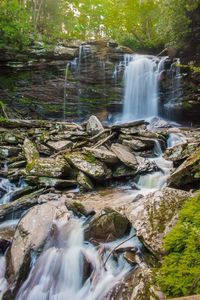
(65, 91)
(73, 269)
(141, 87)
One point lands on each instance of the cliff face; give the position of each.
(88, 77)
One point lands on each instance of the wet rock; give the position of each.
(130, 257)
(124, 155)
(49, 167)
(85, 182)
(31, 233)
(155, 215)
(103, 154)
(145, 165)
(8, 151)
(60, 145)
(30, 151)
(94, 126)
(88, 165)
(108, 226)
(188, 172)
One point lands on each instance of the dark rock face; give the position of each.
(87, 76)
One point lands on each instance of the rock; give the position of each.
(180, 152)
(145, 165)
(188, 172)
(130, 257)
(30, 151)
(49, 167)
(51, 182)
(123, 171)
(60, 145)
(108, 226)
(154, 215)
(8, 151)
(124, 155)
(79, 209)
(85, 182)
(67, 52)
(134, 144)
(31, 234)
(94, 126)
(88, 165)
(103, 154)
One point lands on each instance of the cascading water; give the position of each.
(59, 273)
(141, 87)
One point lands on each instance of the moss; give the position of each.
(90, 158)
(180, 271)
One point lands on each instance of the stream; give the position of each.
(74, 268)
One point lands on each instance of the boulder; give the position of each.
(180, 152)
(124, 155)
(31, 234)
(30, 151)
(123, 171)
(94, 126)
(188, 172)
(85, 182)
(109, 225)
(88, 165)
(103, 154)
(60, 145)
(145, 165)
(154, 215)
(49, 167)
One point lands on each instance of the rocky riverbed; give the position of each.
(125, 181)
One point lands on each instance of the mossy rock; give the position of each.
(108, 226)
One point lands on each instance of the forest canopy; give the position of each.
(135, 23)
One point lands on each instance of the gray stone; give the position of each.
(88, 165)
(60, 145)
(188, 172)
(94, 126)
(103, 154)
(124, 155)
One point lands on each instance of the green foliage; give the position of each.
(180, 271)
(193, 68)
(135, 23)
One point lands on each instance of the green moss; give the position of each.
(89, 158)
(180, 271)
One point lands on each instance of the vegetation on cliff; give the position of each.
(140, 24)
(180, 271)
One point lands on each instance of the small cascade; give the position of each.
(176, 139)
(61, 271)
(7, 189)
(155, 180)
(141, 86)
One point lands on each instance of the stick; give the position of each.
(116, 248)
(104, 141)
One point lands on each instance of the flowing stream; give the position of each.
(72, 268)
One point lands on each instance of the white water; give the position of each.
(65, 91)
(8, 189)
(58, 272)
(175, 139)
(3, 282)
(141, 86)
